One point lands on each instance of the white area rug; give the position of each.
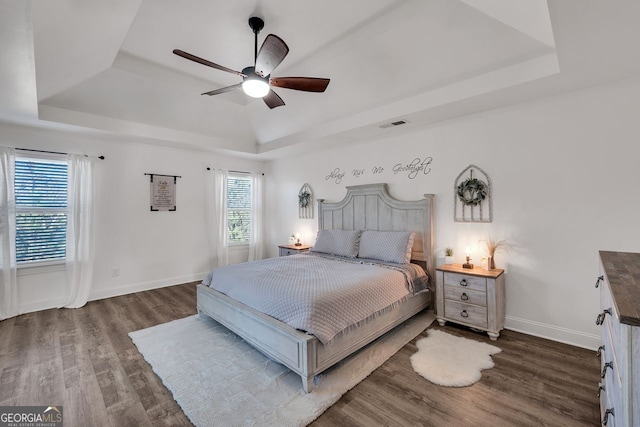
(452, 361)
(220, 380)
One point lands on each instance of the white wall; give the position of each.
(563, 171)
(148, 249)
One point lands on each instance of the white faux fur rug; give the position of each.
(451, 361)
(220, 380)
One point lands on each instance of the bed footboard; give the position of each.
(292, 348)
(300, 352)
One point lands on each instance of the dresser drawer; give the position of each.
(466, 313)
(465, 295)
(611, 324)
(605, 405)
(465, 281)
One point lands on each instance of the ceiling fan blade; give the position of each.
(307, 84)
(271, 54)
(223, 90)
(273, 100)
(205, 62)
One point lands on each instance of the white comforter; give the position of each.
(321, 295)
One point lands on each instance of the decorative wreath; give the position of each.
(304, 199)
(472, 191)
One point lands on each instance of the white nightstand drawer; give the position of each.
(465, 295)
(286, 250)
(466, 313)
(465, 281)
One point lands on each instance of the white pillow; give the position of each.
(389, 246)
(338, 242)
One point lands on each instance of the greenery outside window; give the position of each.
(41, 210)
(238, 209)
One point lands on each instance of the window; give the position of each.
(239, 209)
(41, 209)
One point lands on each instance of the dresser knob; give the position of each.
(601, 316)
(600, 350)
(464, 297)
(463, 282)
(605, 419)
(600, 389)
(604, 369)
(600, 279)
(464, 313)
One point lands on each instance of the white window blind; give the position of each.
(41, 209)
(239, 209)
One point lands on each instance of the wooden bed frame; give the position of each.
(364, 207)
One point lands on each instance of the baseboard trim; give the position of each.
(145, 286)
(42, 304)
(552, 332)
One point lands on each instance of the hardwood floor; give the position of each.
(84, 360)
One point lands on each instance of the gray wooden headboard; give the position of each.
(371, 207)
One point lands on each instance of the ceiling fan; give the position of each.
(256, 80)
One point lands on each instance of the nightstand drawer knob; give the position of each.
(608, 412)
(600, 350)
(604, 369)
(464, 313)
(600, 279)
(464, 297)
(463, 282)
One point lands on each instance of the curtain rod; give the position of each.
(159, 174)
(232, 171)
(51, 152)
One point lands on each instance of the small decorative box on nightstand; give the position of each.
(471, 296)
(293, 249)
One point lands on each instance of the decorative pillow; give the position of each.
(390, 246)
(338, 242)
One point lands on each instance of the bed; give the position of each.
(365, 207)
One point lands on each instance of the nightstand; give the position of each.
(293, 249)
(471, 296)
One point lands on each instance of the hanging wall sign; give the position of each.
(163, 192)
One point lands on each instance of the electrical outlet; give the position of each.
(115, 272)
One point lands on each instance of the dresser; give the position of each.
(619, 352)
(293, 249)
(471, 296)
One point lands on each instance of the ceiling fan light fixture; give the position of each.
(255, 87)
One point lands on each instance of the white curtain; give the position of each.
(80, 228)
(256, 241)
(8, 280)
(216, 213)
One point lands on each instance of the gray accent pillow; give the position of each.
(390, 246)
(338, 242)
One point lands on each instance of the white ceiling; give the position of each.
(107, 65)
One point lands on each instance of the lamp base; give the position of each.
(467, 265)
